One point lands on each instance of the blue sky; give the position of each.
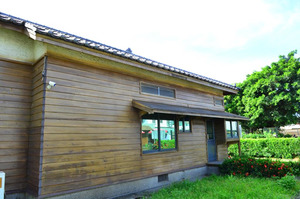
(224, 40)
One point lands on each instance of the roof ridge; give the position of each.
(58, 34)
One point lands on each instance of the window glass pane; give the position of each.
(187, 126)
(228, 129)
(166, 92)
(149, 89)
(149, 135)
(167, 134)
(219, 102)
(234, 129)
(210, 130)
(180, 125)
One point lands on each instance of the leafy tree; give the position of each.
(271, 97)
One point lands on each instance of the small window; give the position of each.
(219, 102)
(149, 89)
(184, 125)
(163, 177)
(232, 129)
(167, 92)
(228, 129)
(157, 90)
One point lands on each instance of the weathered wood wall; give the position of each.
(92, 133)
(222, 151)
(35, 133)
(15, 106)
(219, 125)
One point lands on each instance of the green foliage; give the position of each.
(287, 136)
(167, 144)
(254, 136)
(270, 147)
(247, 166)
(271, 97)
(280, 135)
(266, 135)
(288, 182)
(226, 187)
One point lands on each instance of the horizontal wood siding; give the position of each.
(15, 103)
(220, 134)
(92, 132)
(222, 151)
(35, 142)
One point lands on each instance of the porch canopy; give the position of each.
(151, 107)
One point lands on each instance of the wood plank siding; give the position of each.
(222, 151)
(15, 108)
(219, 125)
(36, 128)
(92, 132)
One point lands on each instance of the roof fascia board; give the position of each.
(104, 55)
(195, 114)
(20, 29)
(12, 27)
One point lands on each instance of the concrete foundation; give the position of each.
(122, 189)
(213, 170)
(127, 188)
(15, 196)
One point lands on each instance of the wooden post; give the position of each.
(239, 144)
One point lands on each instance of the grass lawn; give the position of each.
(227, 187)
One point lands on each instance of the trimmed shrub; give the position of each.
(269, 147)
(246, 166)
(288, 182)
(254, 136)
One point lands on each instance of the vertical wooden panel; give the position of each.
(35, 134)
(220, 131)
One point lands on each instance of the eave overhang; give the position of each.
(151, 108)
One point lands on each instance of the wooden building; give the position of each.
(79, 117)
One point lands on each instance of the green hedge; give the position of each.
(265, 135)
(269, 147)
(254, 136)
(247, 166)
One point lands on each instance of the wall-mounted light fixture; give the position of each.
(51, 84)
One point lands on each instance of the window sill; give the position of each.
(160, 96)
(159, 152)
(232, 139)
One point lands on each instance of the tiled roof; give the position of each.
(44, 30)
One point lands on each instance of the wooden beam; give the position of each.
(239, 145)
(142, 107)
